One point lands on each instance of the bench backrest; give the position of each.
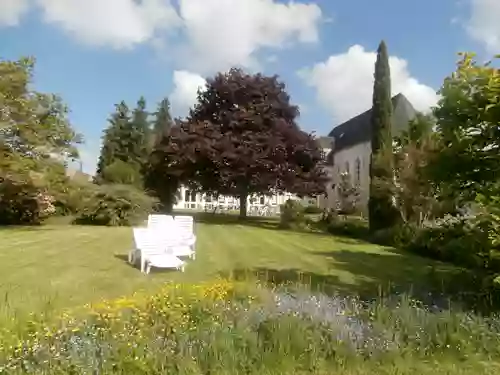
(184, 224)
(159, 220)
(150, 242)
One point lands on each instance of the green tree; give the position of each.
(162, 121)
(380, 205)
(35, 136)
(468, 159)
(157, 180)
(140, 134)
(415, 193)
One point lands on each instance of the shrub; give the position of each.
(313, 209)
(459, 240)
(70, 201)
(23, 203)
(292, 214)
(348, 226)
(115, 205)
(121, 172)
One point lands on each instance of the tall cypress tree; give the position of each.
(380, 206)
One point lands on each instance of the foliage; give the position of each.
(35, 136)
(241, 138)
(158, 176)
(120, 172)
(292, 214)
(127, 139)
(313, 209)
(32, 124)
(415, 194)
(162, 121)
(468, 159)
(23, 203)
(348, 195)
(348, 226)
(71, 200)
(227, 327)
(380, 204)
(115, 205)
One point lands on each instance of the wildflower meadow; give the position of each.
(232, 327)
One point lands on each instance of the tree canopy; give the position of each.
(126, 144)
(242, 138)
(467, 115)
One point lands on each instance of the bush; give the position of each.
(115, 205)
(458, 240)
(23, 203)
(349, 227)
(292, 214)
(71, 200)
(313, 209)
(121, 172)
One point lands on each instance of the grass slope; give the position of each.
(62, 266)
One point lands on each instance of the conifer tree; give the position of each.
(113, 143)
(162, 122)
(380, 206)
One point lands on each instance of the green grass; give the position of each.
(55, 267)
(63, 266)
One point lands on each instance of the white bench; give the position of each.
(155, 252)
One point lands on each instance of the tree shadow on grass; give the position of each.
(271, 223)
(377, 274)
(228, 219)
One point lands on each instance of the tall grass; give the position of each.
(229, 327)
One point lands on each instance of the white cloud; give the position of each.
(184, 94)
(116, 23)
(344, 83)
(225, 33)
(214, 34)
(11, 11)
(484, 24)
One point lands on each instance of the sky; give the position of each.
(95, 53)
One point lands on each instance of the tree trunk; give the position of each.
(243, 206)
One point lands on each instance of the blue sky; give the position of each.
(95, 53)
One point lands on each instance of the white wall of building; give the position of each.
(356, 161)
(199, 201)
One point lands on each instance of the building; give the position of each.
(191, 200)
(351, 151)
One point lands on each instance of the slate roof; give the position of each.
(358, 129)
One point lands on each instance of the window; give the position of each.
(193, 196)
(262, 200)
(187, 194)
(208, 198)
(358, 171)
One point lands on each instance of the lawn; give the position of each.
(60, 266)
(254, 330)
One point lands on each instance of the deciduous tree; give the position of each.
(468, 116)
(35, 137)
(242, 138)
